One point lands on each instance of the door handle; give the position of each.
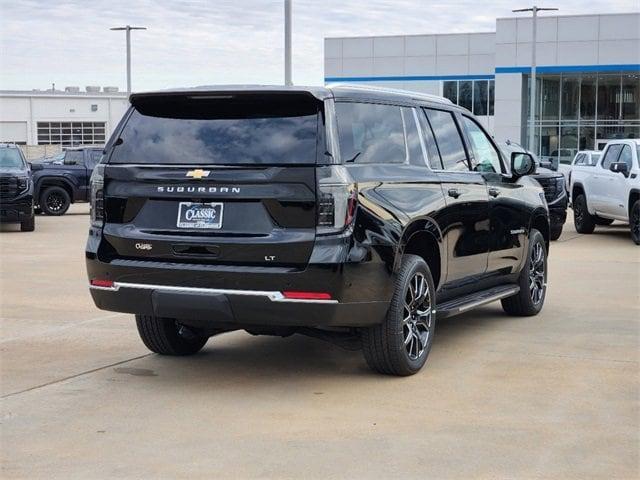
(494, 192)
(454, 192)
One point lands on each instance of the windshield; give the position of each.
(11, 158)
(222, 131)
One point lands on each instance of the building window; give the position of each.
(71, 133)
(582, 112)
(476, 96)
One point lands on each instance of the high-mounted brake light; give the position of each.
(102, 283)
(295, 295)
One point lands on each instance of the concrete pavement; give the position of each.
(554, 396)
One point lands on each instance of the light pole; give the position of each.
(532, 86)
(128, 29)
(287, 43)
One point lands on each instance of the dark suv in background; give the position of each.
(16, 188)
(64, 179)
(555, 189)
(352, 214)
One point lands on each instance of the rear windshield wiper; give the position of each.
(353, 159)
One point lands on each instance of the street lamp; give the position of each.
(128, 29)
(287, 43)
(532, 86)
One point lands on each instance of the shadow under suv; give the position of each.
(352, 214)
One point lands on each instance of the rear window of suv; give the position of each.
(220, 130)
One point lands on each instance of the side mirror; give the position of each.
(620, 167)
(522, 164)
(36, 167)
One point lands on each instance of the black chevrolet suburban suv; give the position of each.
(16, 188)
(352, 214)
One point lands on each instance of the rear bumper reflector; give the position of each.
(274, 296)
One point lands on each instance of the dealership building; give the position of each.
(60, 118)
(588, 76)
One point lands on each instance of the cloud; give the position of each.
(211, 42)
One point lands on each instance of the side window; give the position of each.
(416, 154)
(73, 157)
(579, 159)
(611, 156)
(370, 133)
(485, 157)
(448, 140)
(93, 158)
(433, 156)
(626, 156)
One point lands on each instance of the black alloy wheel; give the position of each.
(532, 280)
(416, 324)
(537, 283)
(582, 220)
(55, 201)
(401, 343)
(634, 222)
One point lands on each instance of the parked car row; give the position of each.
(48, 185)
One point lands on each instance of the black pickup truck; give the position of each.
(64, 179)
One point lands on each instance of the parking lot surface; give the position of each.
(553, 396)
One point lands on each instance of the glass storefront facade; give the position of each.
(581, 111)
(477, 96)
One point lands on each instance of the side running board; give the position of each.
(468, 302)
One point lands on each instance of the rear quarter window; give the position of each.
(370, 133)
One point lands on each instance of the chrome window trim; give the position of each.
(274, 296)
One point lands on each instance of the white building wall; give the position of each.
(21, 112)
(427, 57)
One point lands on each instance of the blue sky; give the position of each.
(217, 41)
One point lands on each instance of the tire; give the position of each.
(28, 225)
(555, 232)
(634, 222)
(401, 344)
(582, 220)
(601, 221)
(528, 301)
(162, 335)
(55, 201)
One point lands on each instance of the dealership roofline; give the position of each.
(61, 94)
(479, 32)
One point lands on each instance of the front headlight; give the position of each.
(23, 184)
(544, 200)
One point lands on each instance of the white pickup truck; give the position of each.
(609, 189)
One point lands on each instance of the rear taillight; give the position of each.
(96, 282)
(97, 196)
(337, 200)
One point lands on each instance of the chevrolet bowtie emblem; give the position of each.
(198, 173)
